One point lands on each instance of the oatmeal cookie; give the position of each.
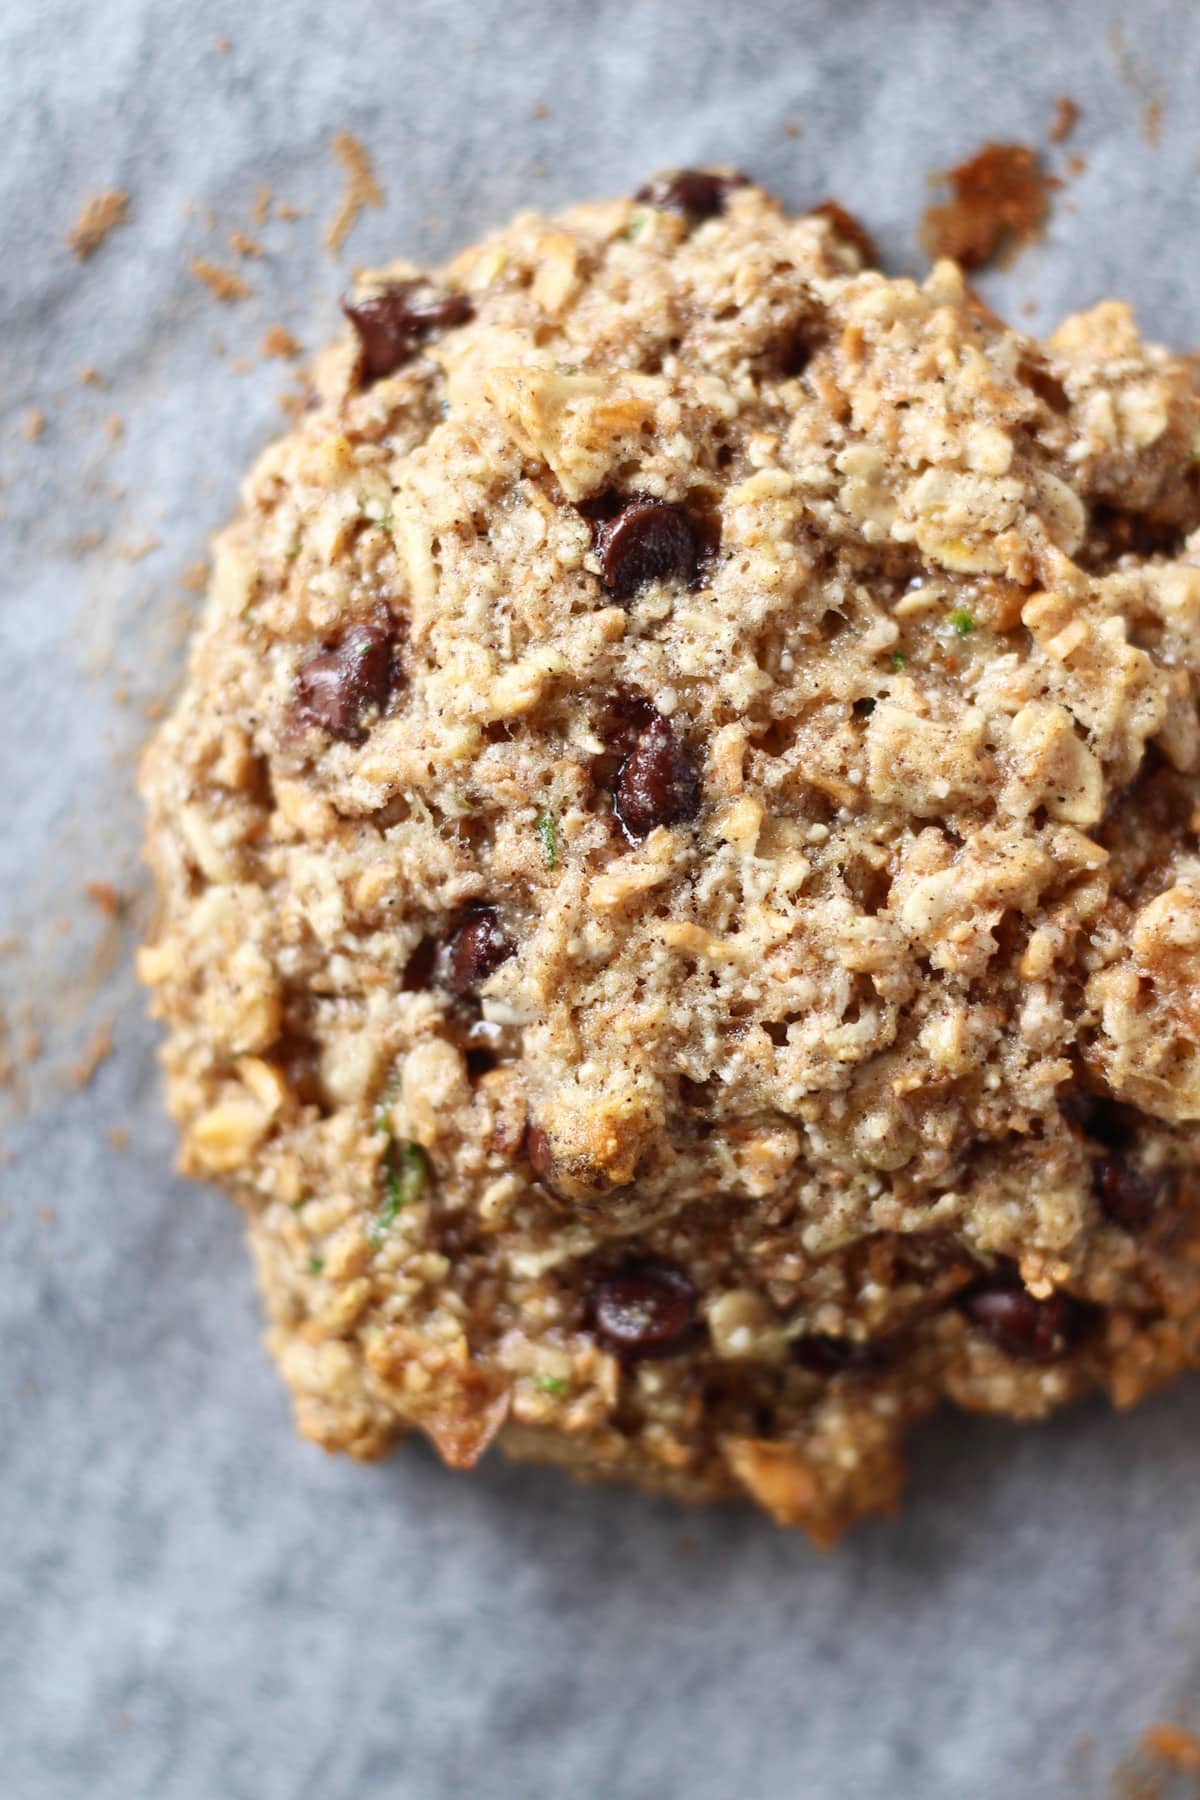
(680, 900)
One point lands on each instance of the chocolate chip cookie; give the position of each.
(680, 899)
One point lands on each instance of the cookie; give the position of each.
(679, 893)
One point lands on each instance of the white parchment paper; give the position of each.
(194, 1605)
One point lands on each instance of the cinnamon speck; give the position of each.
(90, 377)
(792, 128)
(1175, 1745)
(98, 1051)
(290, 213)
(1065, 119)
(539, 110)
(221, 44)
(260, 210)
(241, 245)
(222, 284)
(1076, 164)
(118, 1137)
(1152, 117)
(99, 214)
(105, 896)
(195, 577)
(362, 189)
(1000, 198)
(114, 425)
(33, 424)
(280, 343)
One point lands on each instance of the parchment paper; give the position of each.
(194, 1605)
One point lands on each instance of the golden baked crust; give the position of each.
(680, 904)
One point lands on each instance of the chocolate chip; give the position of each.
(1024, 1327)
(1110, 1122)
(1129, 1195)
(694, 193)
(391, 322)
(822, 1354)
(647, 540)
(657, 783)
(479, 945)
(335, 688)
(646, 1308)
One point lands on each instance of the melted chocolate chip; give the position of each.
(1024, 1327)
(822, 1354)
(657, 783)
(479, 945)
(646, 1308)
(1129, 1195)
(391, 323)
(694, 193)
(335, 688)
(647, 540)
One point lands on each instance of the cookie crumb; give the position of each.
(98, 1051)
(792, 128)
(118, 1137)
(290, 213)
(1065, 119)
(280, 343)
(539, 110)
(91, 377)
(222, 284)
(99, 214)
(362, 189)
(1173, 1744)
(140, 547)
(195, 577)
(221, 44)
(1000, 198)
(260, 209)
(104, 895)
(33, 424)
(114, 425)
(242, 245)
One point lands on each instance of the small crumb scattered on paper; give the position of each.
(362, 189)
(222, 284)
(99, 214)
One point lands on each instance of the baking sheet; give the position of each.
(192, 1602)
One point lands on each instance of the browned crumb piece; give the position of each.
(118, 1137)
(33, 425)
(195, 577)
(792, 128)
(222, 284)
(539, 110)
(90, 377)
(221, 44)
(85, 541)
(99, 214)
(99, 1050)
(290, 213)
(138, 548)
(1152, 118)
(1066, 117)
(1076, 164)
(260, 210)
(848, 228)
(362, 189)
(242, 245)
(104, 895)
(999, 201)
(114, 425)
(1173, 1744)
(280, 343)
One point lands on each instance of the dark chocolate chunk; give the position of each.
(647, 540)
(645, 1308)
(391, 322)
(657, 783)
(1024, 1327)
(694, 193)
(336, 688)
(479, 945)
(1129, 1195)
(822, 1354)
